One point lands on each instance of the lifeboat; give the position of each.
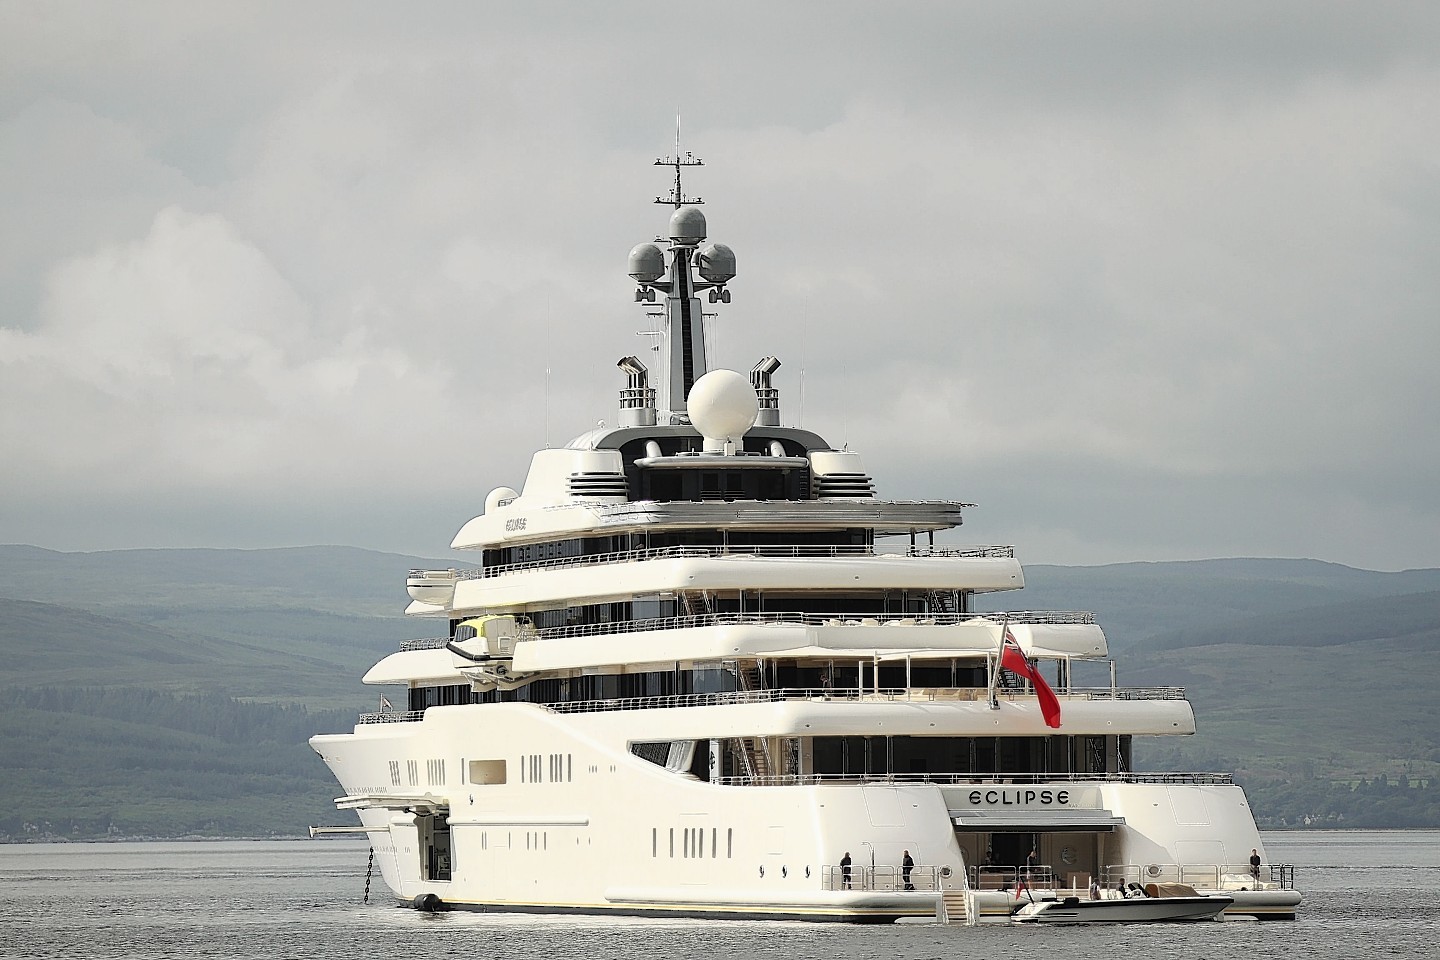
(432, 586)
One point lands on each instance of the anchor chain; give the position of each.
(369, 869)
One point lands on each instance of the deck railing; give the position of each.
(883, 877)
(393, 716)
(781, 618)
(788, 618)
(852, 696)
(1202, 876)
(768, 550)
(1040, 876)
(973, 779)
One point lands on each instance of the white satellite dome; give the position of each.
(723, 405)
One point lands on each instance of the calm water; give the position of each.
(1368, 894)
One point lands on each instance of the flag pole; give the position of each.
(995, 667)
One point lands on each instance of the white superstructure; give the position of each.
(699, 667)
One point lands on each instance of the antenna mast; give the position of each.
(677, 198)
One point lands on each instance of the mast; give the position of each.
(682, 334)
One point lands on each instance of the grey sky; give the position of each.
(1144, 281)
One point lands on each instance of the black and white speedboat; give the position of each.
(1175, 904)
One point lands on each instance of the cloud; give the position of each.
(184, 357)
(1145, 283)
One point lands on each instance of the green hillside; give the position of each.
(115, 665)
(90, 762)
(169, 693)
(1136, 601)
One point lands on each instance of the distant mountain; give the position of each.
(1411, 616)
(1307, 678)
(333, 579)
(295, 624)
(1136, 602)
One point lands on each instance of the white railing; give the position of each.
(853, 696)
(1041, 876)
(427, 643)
(786, 618)
(392, 716)
(1201, 876)
(769, 550)
(882, 878)
(782, 617)
(975, 553)
(973, 779)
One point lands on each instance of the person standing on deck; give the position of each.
(906, 865)
(845, 870)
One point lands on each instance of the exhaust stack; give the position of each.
(637, 400)
(769, 397)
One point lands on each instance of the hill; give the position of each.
(294, 625)
(1310, 680)
(115, 665)
(1135, 602)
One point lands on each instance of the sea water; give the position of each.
(1368, 894)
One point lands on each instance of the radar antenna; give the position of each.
(677, 198)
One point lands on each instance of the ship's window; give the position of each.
(656, 753)
(487, 771)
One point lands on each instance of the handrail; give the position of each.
(973, 779)
(826, 694)
(883, 695)
(1040, 876)
(784, 617)
(787, 618)
(780, 551)
(883, 878)
(978, 553)
(392, 716)
(1201, 876)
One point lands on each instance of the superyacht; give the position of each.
(699, 667)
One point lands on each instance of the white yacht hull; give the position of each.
(578, 823)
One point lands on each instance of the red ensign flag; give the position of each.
(1012, 659)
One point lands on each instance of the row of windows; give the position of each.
(575, 547)
(917, 603)
(547, 768)
(692, 843)
(882, 755)
(838, 675)
(434, 772)
(618, 686)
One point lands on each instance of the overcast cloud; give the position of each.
(1144, 281)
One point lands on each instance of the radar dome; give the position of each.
(723, 405)
(687, 225)
(717, 262)
(647, 263)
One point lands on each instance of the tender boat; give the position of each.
(1177, 903)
